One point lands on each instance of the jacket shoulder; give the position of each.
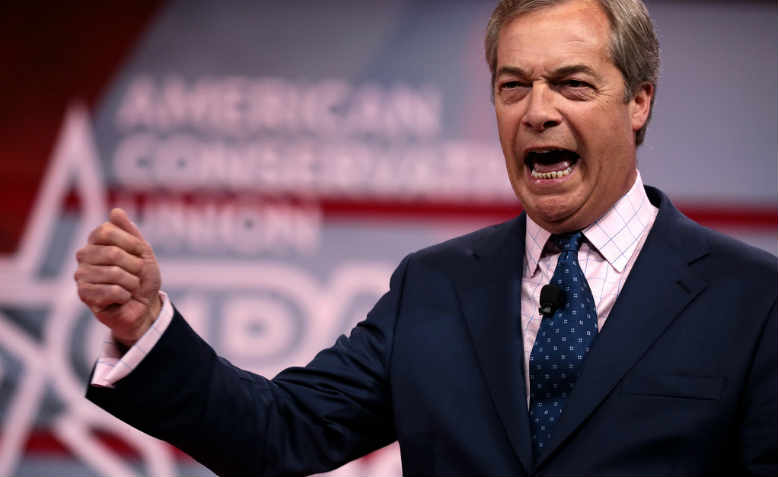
(740, 258)
(707, 249)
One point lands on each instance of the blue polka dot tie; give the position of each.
(562, 343)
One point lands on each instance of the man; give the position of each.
(656, 353)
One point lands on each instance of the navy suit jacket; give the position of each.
(681, 379)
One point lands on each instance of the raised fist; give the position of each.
(118, 278)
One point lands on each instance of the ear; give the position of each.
(640, 105)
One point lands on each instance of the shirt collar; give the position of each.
(614, 235)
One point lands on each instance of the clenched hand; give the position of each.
(118, 278)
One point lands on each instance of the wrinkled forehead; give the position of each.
(556, 34)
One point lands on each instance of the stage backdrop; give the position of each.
(282, 158)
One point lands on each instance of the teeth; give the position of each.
(553, 174)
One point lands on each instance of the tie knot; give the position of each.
(569, 242)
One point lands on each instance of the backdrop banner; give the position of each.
(282, 158)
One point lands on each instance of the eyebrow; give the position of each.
(511, 70)
(555, 74)
(573, 69)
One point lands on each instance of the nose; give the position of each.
(541, 114)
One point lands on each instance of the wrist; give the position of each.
(154, 309)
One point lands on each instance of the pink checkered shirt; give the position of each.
(612, 245)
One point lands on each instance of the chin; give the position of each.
(555, 215)
(549, 219)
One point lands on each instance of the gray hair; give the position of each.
(634, 48)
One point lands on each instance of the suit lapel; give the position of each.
(657, 290)
(491, 299)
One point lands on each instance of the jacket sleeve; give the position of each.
(305, 420)
(758, 433)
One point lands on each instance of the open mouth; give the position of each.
(551, 163)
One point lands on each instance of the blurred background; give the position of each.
(282, 158)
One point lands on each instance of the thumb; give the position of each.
(119, 218)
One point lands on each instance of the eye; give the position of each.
(512, 90)
(510, 85)
(573, 83)
(576, 89)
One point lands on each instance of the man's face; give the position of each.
(565, 130)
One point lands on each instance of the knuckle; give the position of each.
(84, 293)
(114, 273)
(104, 299)
(114, 254)
(136, 264)
(131, 282)
(120, 293)
(104, 231)
(140, 247)
(96, 234)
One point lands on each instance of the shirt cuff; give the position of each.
(112, 365)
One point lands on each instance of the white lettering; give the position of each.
(311, 168)
(218, 226)
(138, 104)
(237, 106)
(133, 160)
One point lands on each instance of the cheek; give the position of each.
(506, 125)
(502, 131)
(508, 144)
(602, 132)
(514, 170)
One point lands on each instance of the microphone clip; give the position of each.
(551, 299)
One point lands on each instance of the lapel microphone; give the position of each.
(551, 299)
